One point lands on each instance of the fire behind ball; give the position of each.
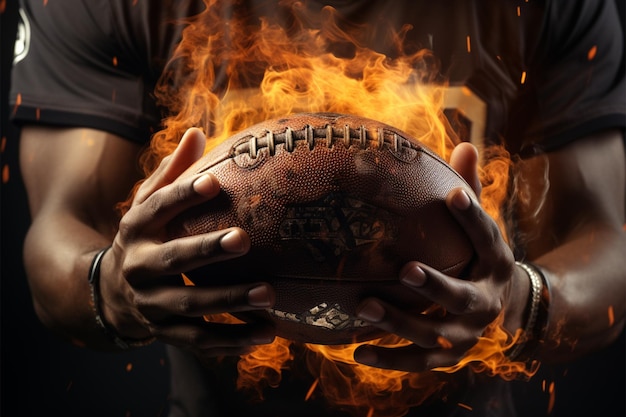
(334, 205)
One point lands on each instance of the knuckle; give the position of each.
(185, 305)
(126, 228)
(153, 205)
(433, 338)
(182, 191)
(394, 325)
(427, 364)
(208, 245)
(468, 303)
(194, 336)
(141, 302)
(494, 310)
(230, 297)
(155, 329)
(129, 268)
(171, 259)
(432, 342)
(164, 198)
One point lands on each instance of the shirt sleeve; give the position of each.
(74, 67)
(576, 81)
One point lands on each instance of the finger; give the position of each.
(457, 296)
(189, 150)
(483, 232)
(410, 358)
(166, 203)
(185, 254)
(201, 335)
(163, 303)
(413, 327)
(428, 331)
(464, 160)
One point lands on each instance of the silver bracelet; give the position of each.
(94, 285)
(536, 288)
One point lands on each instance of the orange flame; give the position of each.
(5, 174)
(227, 76)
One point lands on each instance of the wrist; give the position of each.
(518, 295)
(99, 307)
(535, 314)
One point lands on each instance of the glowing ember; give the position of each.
(552, 393)
(444, 343)
(273, 73)
(592, 52)
(5, 174)
(467, 407)
(311, 389)
(18, 102)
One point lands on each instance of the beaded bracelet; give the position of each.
(538, 309)
(94, 285)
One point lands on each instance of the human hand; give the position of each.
(467, 305)
(142, 291)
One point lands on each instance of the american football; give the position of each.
(335, 205)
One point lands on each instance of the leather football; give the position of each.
(334, 205)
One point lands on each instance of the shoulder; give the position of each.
(579, 25)
(94, 63)
(575, 74)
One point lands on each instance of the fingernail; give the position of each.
(262, 336)
(414, 277)
(259, 297)
(232, 242)
(372, 312)
(461, 200)
(205, 185)
(366, 356)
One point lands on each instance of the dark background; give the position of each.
(42, 376)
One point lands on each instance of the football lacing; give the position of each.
(346, 135)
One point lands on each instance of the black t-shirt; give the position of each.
(536, 74)
(95, 64)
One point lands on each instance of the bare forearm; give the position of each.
(58, 254)
(588, 286)
(577, 239)
(73, 178)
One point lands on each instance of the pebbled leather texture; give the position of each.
(334, 205)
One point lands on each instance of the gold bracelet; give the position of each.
(536, 289)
